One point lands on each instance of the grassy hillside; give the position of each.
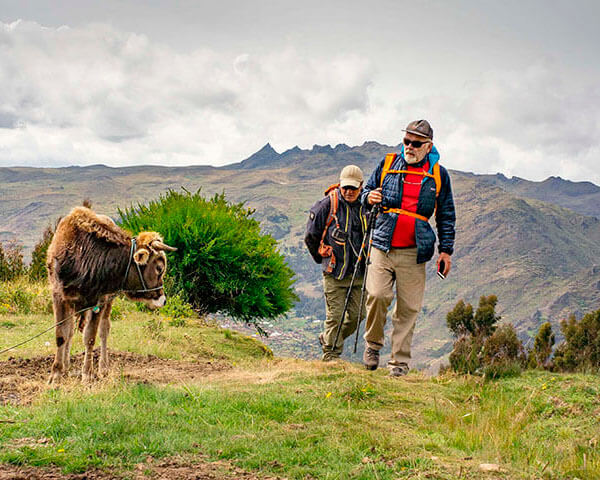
(540, 259)
(180, 401)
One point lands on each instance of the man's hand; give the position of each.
(375, 196)
(447, 261)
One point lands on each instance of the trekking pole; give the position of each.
(356, 268)
(372, 218)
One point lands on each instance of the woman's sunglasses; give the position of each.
(415, 143)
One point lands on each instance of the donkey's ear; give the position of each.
(141, 256)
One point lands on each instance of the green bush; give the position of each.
(223, 263)
(580, 351)
(503, 353)
(481, 347)
(11, 261)
(177, 308)
(21, 296)
(37, 267)
(462, 321)
(466, 355)
(542, 348)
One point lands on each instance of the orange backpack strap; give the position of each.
(387, 165)
(433, 173)
(437, 177)
(331, 188)
(326, 250)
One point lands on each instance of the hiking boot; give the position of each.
(330, 357)
(371, 358)
(399, 370)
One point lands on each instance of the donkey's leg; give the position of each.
(104, 331)
(89, 339)
(69, 329)
(64, 326)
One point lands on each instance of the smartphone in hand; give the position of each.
(441, 268)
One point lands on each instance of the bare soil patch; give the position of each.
(22, 379)
(170, 469)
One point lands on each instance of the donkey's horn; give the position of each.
(158, 245)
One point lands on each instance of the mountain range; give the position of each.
(536, 245)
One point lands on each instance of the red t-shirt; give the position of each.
(404, 231)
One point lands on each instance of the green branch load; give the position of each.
(223, 262)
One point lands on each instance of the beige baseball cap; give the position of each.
(351, 176)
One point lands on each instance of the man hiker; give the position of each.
(411, 186)
(334, 233)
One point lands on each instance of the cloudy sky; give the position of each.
(509, 86)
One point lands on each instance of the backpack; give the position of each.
(434, 172)
(326, 250)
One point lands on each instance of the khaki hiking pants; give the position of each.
(399, 265)
(335, 296)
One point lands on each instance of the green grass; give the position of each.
(297, 419)
(328, 422)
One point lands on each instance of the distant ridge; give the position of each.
(261, 159)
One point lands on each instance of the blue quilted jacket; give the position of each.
(445, 217)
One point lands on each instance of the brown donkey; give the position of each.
(90, 259)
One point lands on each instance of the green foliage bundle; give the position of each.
(542, 347)
(223, 263)
(37, 267)
(580, 350)
(481, 347)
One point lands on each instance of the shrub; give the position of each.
(485, 318)
(460, 319)
(542, 347)
(20, 296)
(480, 347)
(466, 355)
(37, 267)
(177, 310)
(11, 261)
(223, 263)
(580, 351)
(503, 353)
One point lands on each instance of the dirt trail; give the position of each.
(170, 469)
(22, 379)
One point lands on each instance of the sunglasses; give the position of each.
(352, 189)
(415, 143)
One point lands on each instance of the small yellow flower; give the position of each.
(61, 450)
(328, 395)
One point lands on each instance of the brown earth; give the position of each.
(170, 469)
(23, 379)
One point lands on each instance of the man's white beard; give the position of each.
(411, 159)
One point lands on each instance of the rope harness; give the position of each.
(96, 308)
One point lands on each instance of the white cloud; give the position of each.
(97, 95)
(532, 123)
(94, 94)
